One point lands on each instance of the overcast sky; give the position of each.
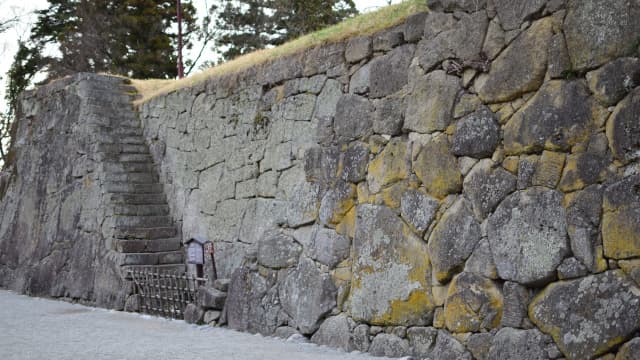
(24, 9)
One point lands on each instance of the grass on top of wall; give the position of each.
(364, 24)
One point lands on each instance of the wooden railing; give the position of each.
(164, 293)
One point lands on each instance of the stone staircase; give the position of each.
(143, 230)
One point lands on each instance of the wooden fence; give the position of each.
(164, 293)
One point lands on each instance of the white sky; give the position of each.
(24, 9)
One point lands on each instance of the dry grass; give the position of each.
(365, 24)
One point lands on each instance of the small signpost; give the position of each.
(196, 248)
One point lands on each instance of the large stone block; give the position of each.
(477, 135)
(335, 332)
(354, 118)
(613, 81)
(389, 73)
(418, 209)
(486, 186)
(528, 236)
(391, 271)
(390, 166)
(512, 343)
(584, 209)
(513, 13)
(430, 104)
(521, 67)
(453, 240)
(621, 219)
(594, 40)
(589, 316)
(307, 295)
(473, 303)
(623, 128)
(437, 168)
(278, 250)
(389, 345)
(556, 118)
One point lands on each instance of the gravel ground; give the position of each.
(33, 328)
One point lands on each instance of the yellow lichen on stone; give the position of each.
(549, 169)
(620, 238)
(473, 303)
(437, 168)
(511, 164)
(363, 193)
(389, 166)
(391, 196)
(347, 226)
(438, 318)
(405, 309)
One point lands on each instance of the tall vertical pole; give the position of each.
(180, 64)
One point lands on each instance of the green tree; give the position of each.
(249, 25)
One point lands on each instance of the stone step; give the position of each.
(170, 268)
(142, 210)
(132, 139)
(147, 246)
(138, 199)
(138, 158)
(118, 167)
(159, 258)
(116, 148)
(151, 233)
(129, 221)
(132, 177)
(125, 187)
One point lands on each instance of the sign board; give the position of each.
(195, 253)
(208, 247)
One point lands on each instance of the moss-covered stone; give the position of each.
(390, 166)
(473, 304)
(623, 128)
(621, 219)
(549, 169)
(437, 168)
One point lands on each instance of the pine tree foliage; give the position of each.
(249, 25)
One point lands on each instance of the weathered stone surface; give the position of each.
(422, 340)
(453, 240)
(388, 39)
(299, 107)
(473, 304)
(389, 72)
(389, 116)
(358, 48)
(621, 219)
(486, 186)
(335, 332)
(571, 268)
(210, 298)
(584, 169)
(516, 301)
(613, 81)
(414, 27)
(390, 285)
(556, 118)
(476, 135)
(328, 99)
(211, 316)
(389, 345)
(584, 210)
(336, 202)
(354, 162)
(307, 295)
(360, 338)
(193, 314)
(446, 37)
(418, 209)
(390, 166)
(513, 13)
(285, 332)
(448, 348)
(629, 350)
(300, 195)
(479, 345)
(278, 250)
(430, 103)
(623, 128)
(456, 5)
(548, 169)
(361, 80)
(528, 236)
(481, 261)
(437, 168)
(354, 118)
(520, 67)
(604, 312)
(594, 40)
(329, 248)
(511, 343)
(559, 61)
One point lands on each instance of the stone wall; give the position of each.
(55, 226)
(463, 185)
